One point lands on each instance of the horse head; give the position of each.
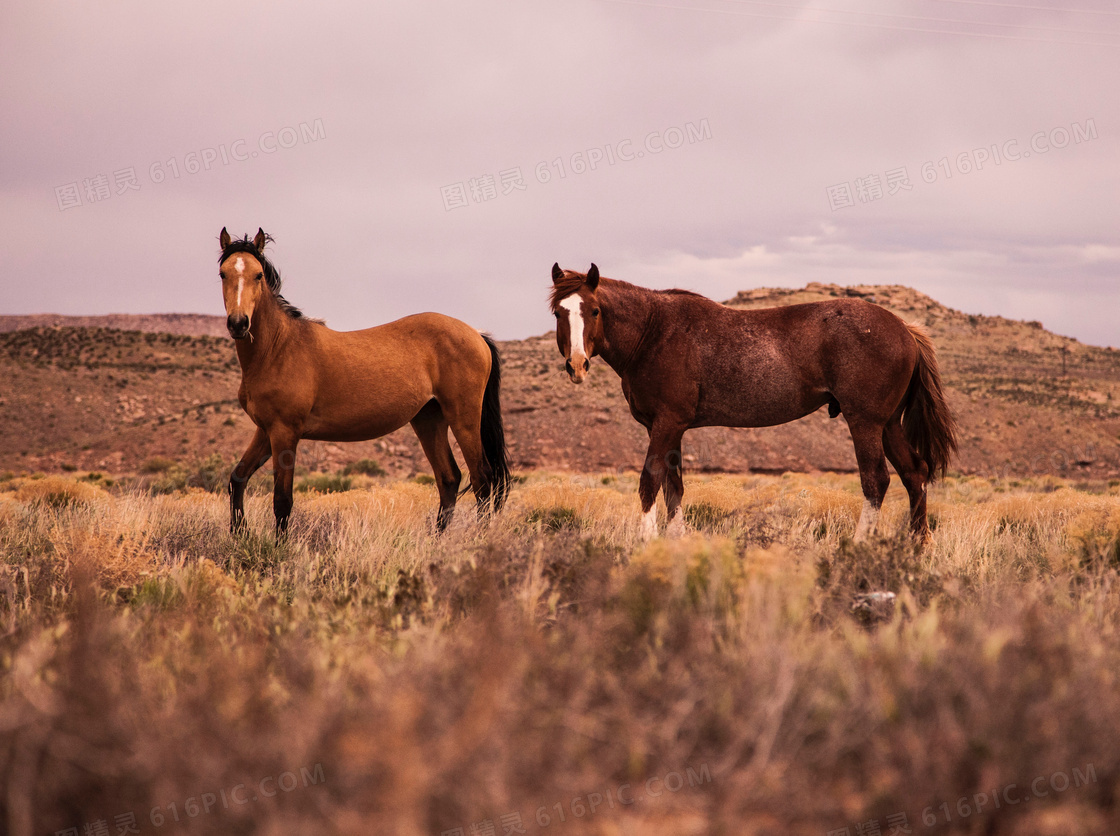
(242, 267)
(579, 324)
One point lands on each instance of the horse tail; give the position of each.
(493, 432)
(927, 421)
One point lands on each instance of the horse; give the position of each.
(686, 361)
(300, 379)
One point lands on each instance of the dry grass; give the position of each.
(366, 676)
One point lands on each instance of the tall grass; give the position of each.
(367, 676)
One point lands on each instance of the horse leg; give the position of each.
(468, 434)
(431, 428)
(663, 439)
(913, 472)
(255, 455)
(873, 475)
(283, 441)
(674, 491)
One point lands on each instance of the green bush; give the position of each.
(210, 474)
(324, 483)
(555, 518)
(158, 464)
(364, 467)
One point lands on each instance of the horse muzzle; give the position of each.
(577, 371)
(238, 326)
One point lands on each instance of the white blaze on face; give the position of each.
(239, 266)
(573, 306)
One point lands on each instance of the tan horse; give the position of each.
(300, 379)
(686, 361)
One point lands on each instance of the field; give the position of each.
(548, 673)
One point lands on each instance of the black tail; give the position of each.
(494, 434)
(928, 422)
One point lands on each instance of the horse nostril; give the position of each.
(586, 365)
(568, 366)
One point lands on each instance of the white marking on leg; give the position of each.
(573, 306)
(868, 520)
(676, 527)
(649, 523)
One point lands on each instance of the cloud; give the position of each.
(774, 103)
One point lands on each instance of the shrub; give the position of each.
(324, 483)
(705, 516)
(157, 464)
(210, 474)
(555, 518)
(57, 492)
(364, 467)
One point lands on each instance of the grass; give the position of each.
(380, 679)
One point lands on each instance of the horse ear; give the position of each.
(259, 240)
(593, 277)
(557, 273)
(223, 238)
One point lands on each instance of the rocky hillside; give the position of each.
(96, 397)
(185, 324)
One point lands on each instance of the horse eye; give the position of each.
(595, 312)
(260, 276)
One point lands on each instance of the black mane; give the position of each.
(271, 274)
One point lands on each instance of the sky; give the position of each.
(437, 155)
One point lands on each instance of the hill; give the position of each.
(1029, 402)
(185, 324)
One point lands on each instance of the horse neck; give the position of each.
(628, 312)
(269, 331)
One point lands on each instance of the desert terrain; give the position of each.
(543, 670)
(94, 397)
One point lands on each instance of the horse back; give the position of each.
(766, 366)
(367, 383)
(423, 350)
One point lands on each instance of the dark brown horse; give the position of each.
(686, 361)
(300, 379)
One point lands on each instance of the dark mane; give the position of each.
(271, 274)
(572, 281)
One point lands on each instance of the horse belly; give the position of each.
(750, 402)
(361, 420)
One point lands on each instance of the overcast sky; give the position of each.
(434, 155)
